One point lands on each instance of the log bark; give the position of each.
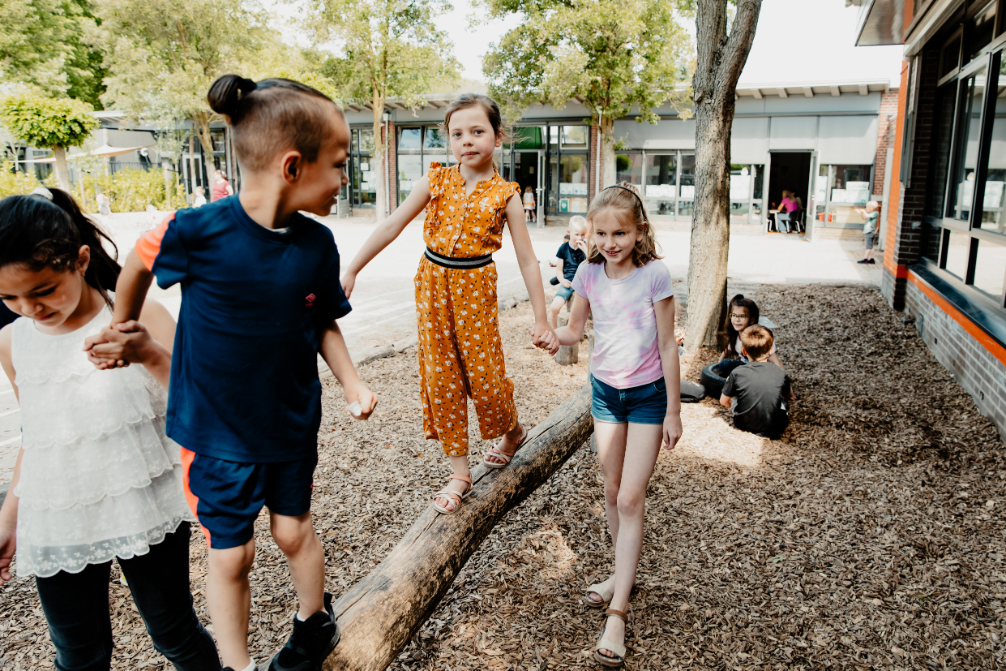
(719, 62)
(379, 614)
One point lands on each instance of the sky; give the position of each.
(796, 41)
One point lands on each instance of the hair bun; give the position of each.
(227, 92)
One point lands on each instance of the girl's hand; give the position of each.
(8, 544)
(544, 337)
(367, 399)
(120, 345)
(672, 431)
(565, 283)
(348, 282)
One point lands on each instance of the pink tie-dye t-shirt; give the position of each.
(625, 325)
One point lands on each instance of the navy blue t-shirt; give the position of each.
(244, 370)
(571, 260)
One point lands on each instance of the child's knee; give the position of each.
(292, 534)
(611, 494)
(631, 503)
(233, 562)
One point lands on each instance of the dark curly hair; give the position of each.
(40, 233)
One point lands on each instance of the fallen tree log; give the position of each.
(379, 614)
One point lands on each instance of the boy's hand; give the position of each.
(8, 544)
(565, 283)
(362, 395)
(544, 337)
(120, 345)
(672, 431)
(348, 282)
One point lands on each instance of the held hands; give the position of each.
(367, 400)
(565, 283)
(120, 345)
(672, 431)
(544, 337)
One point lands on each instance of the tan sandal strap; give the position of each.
(462, 478)
(495, 449)
(454, 496)
(617, 613)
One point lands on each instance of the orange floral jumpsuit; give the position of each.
(460, 351)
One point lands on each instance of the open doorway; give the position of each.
(790, 171)
(527, 173)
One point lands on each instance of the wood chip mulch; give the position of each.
(871, 536)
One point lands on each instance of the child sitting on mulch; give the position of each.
(757, 392)
(741, 313)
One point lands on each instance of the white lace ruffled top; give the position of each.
(99, 477)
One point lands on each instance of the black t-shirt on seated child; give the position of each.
(571, 259)
(759, 390)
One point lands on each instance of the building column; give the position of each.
(907, 206)
(595, 163)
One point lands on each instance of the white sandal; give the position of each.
(495, 451)
(606, 644)
(453, 496)
(600, 591)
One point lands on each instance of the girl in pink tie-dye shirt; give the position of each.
(635, 379)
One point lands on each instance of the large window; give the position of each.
(364, 177)
(841, 191)
(964, 237)
(418, 147)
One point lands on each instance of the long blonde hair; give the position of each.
(627, 201)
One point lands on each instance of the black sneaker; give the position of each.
(310, 643)
(863, 261)
(872, 261)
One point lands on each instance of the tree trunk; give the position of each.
(192, 162)
(62, 168)
(719, 62)
(377, 159)
(606, 137)
(379, 614)
(206, 140)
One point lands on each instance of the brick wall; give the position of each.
(974, 367)
(885, 137)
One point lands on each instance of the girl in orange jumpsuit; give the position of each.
(460, 352)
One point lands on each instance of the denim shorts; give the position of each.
(645, 404)
(564, 293)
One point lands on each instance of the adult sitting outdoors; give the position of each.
(786, 207)
(221, 187)
(872, 216)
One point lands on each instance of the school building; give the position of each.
(827, 141)
(945, 257)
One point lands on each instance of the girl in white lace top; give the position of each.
(96, 479)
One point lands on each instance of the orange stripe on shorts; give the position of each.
(187, 458)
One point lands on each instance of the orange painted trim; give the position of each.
(983, 338)
(187, 458)
(894, 196)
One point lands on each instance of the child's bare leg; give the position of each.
(610, 454)
(295, 536)
(637, 467)
(228, 597)
(553, 311)
(460, 466)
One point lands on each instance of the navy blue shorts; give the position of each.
(645, 404)
(564, 293)
(227, 496)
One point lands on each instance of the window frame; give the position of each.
(990, 58)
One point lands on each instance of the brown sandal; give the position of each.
(495, 451)
(453, 496)
(606, 644)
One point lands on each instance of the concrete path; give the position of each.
(384, 305)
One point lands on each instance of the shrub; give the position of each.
(131, 190)
(14, 182)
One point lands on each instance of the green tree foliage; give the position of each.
(49, 124)
(390, 49)
(163, 55)
(614, 54)
(14, 182)
(50, 46)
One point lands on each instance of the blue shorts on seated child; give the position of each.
(564, 293)
(645, 404)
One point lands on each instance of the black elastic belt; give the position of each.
(452, 262)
